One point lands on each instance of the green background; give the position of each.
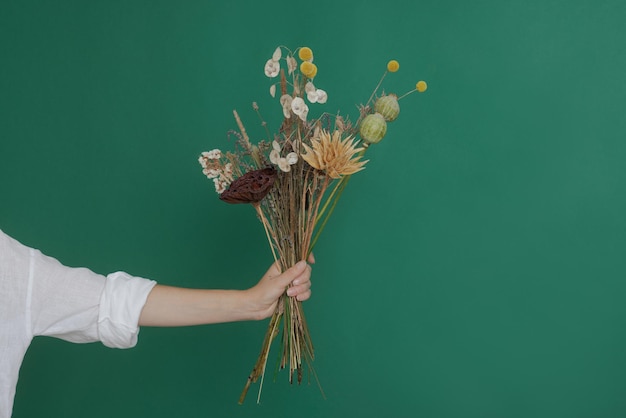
(476, 268)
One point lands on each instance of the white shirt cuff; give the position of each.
(121, 303)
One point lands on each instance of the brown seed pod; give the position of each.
(251, 187)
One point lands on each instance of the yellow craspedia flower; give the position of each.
(421, 86)
(308, 69)
(305, 53)
(393, 66)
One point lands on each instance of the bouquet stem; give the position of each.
(297, 347)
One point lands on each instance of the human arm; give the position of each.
(172, 306)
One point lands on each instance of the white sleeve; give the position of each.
(121, 303)
(78, 305)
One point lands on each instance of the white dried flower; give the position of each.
(292, 64)
(220, 186)
(272, 68)
(274, 156)
(322, 97)
(228, 169)
(299, 108)
(211, 173)
(273, 90)
(284, 163)
(292, 158)
(277, 54)
(285, 102)
(214, 154)
(315, 95)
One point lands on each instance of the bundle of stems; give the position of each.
(294, 213)
(292, 192)
(289, 214)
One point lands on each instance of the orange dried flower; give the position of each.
(333, 155)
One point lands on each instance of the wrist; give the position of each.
(250, 308)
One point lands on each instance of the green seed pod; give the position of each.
(388, 107)
(373, 128)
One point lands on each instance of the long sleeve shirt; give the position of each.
(40, 296)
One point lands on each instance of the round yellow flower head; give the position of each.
(308, 69)
(393, 66)
(421, 86)
(305, 54)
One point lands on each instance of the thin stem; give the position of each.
(332, 200)
(267, 353)
(242, 129)
(376, 89)
(263, 123)
(332, 208)
(265, 223)
(406, 94)
(259, 367)
(328, 200)
(313, 220)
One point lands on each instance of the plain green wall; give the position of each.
(476, 268)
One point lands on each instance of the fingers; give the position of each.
(300, 287)
(296, 279)
(300, 292)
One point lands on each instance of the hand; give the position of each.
(264, 295)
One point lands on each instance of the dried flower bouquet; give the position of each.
(293, 179)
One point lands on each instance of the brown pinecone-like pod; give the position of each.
(251, 187)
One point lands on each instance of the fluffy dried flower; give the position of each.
(333, 155)
(213, 168)
(220, 186)
(214, 154)
(211, 172)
